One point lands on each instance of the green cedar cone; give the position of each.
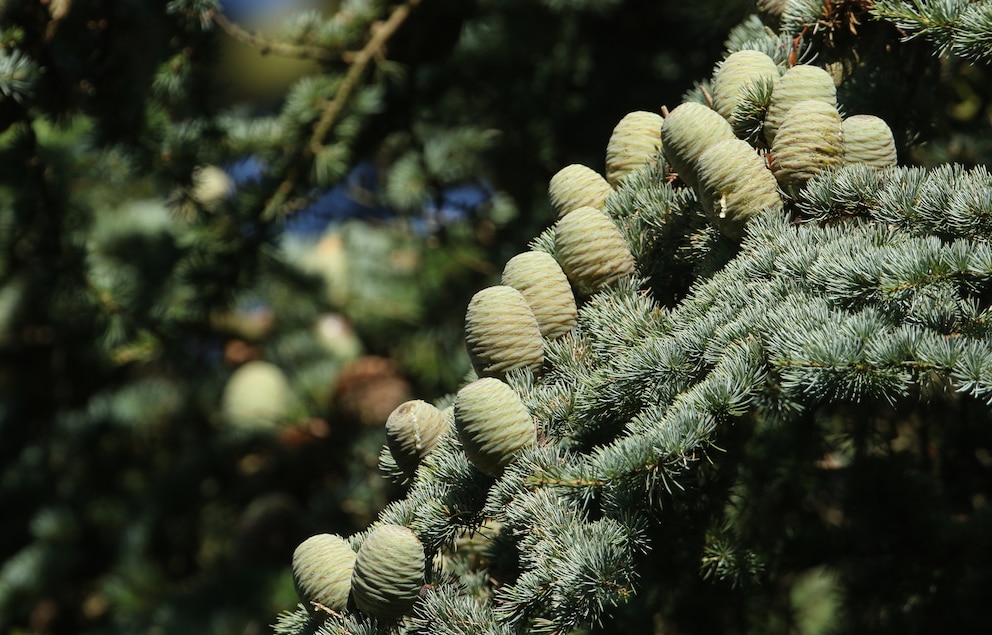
(688, 130)
(389, 572)
(576, 186)
(591, 250)
(256, 397)
(736, 72)
(322, 567)
(413, 430)
(501, 332)
(810, 140)
(636, 140)
(492, 423)
(734, 185)
(868, 139)
(539, 278)
(802, 82)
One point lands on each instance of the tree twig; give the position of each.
(380, 36)
(333, 108)
(268, 45)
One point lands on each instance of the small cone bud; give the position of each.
(591, 250)
(735, 184)
(735, 73)
(502, 333)
(576, 186)
(802, 82)
(413, 430)
(492, 423)
(772, 9)
(688, 130)
(868, 139)
(539, 278)
(212, 186)
(636, 141)
(389, 572)
(322, 567)
(809, 141)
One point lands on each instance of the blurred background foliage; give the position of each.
(234, 236)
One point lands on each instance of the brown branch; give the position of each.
(539, 481)
(268, 45)
(333, 108)
(380, 35)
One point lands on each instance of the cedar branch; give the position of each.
(333, 108)
(268, 45)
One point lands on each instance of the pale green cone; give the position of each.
(810, 140)
(688, 130)
(635, 141)
(501, 332)
(389, 572)
(734, 185)
(322, 567)
(492, 423)
(802, 82)
(576, 186)
(591, 250)
(256, 397)
(413, 430)
(735, 73)
(868, 139)
(540, 279)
